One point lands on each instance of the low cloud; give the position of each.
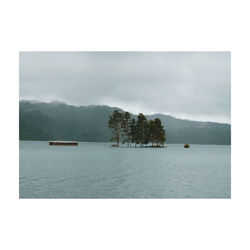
(193, 85)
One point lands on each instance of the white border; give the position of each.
(124, 25)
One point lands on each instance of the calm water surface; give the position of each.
(96, 170)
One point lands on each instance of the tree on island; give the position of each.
(126, 118)
(127, 129)
(152, 132)
(134, 131)
(115, 123)
(142, 125)
(160, 134)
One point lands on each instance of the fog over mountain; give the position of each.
(59, 121)
(192, 85)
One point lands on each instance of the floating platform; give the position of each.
(63, 143)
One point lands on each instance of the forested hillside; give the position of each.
(59, 121)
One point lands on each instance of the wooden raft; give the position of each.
(63, 143)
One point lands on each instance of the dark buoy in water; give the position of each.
(186, 146)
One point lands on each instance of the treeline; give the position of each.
(127, 129)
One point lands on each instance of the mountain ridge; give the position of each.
(114, 107)
(62, 121)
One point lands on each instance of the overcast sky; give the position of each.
(191, 85)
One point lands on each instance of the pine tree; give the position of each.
(160, 134)
(125, 128)
(115, 123)
(142, 125)
(133, 131)
(157, 133)
(152, 132)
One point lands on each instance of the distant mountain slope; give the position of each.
(186, 131)
(59, 121)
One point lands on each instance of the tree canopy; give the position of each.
(127, 129)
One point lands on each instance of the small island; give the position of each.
(131, 130)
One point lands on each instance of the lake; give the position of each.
(96, 170)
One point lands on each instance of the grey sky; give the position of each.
(192, 85)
